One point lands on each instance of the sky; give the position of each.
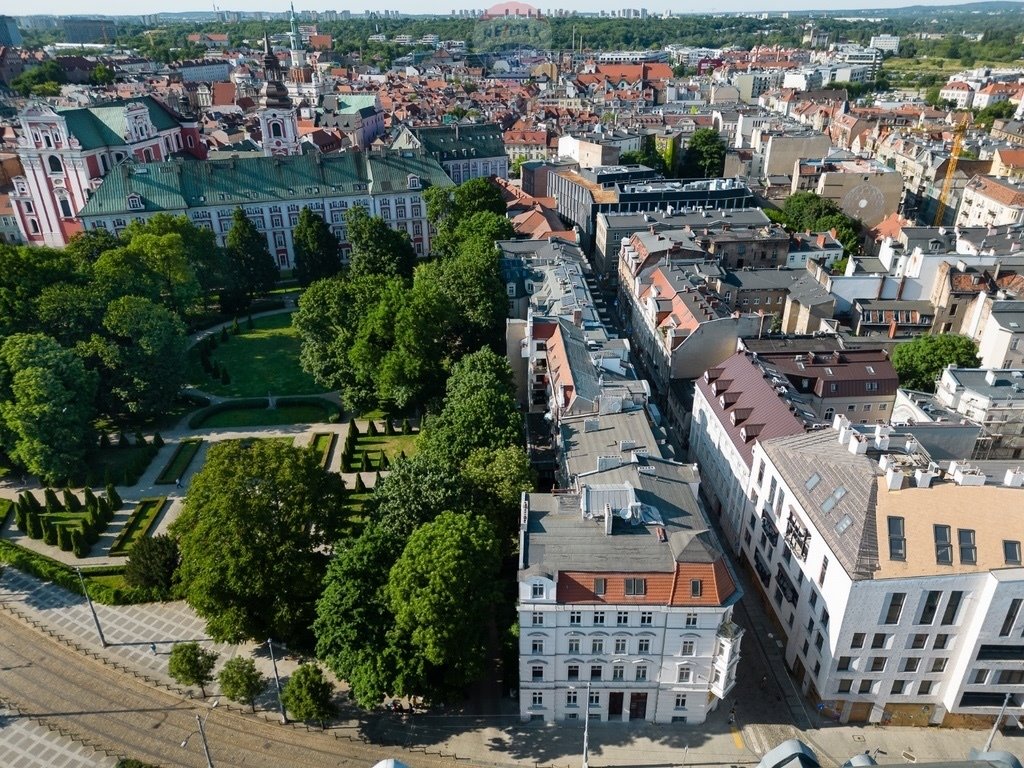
(128, 7)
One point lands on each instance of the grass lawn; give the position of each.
(138, 525)
(355, 515)
(322, 444)
(183, 455)
(112, 580)
(265, 359)
(264, 417)
(393, 446)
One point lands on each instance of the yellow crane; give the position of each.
(947, 182)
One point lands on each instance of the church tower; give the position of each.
(278, 123)
(298, 51)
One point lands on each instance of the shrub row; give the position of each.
(75, 535)
(48, 569)
(324, 442)
(179, 461)
(141, 521)
(196, 419)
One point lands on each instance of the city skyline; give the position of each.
(132, 8)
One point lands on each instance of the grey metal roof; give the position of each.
(797, 458)
(1002, 387)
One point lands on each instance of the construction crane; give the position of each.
(947, 183)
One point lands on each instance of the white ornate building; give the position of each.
(279, 125)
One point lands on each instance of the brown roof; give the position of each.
(838, 374)
(755, 397)
(997, 190)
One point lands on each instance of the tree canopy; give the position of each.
(377, 248)
(920, 362)
(252, 535)
(316, 249)
(251, 268)
(705, 154)
(308, 695)
(808, 211)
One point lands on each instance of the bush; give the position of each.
(71, 502)
(89, 498)
(249, 324)
(63, 537)
(371, 428)
(190, 664)
(51, 504)
(406, 427)
(21, 518)
(158, 441)
(384, 463)
(122, 440)
(389, 426)
(104, 440)
(49, 532)
(353, 430)
(114, 498)
(224, 337)
(360, 486)
(151, 564)
(78, 543)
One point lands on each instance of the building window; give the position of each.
(65, 208)
(1011, 552)
(844, 663)
(600, 585)
(643, 646)
(646, 618)
(636, 587)
(56, 166)
(910, 664)
(620, 646)
(537, 646)
(691, 620)
(952, 607)
(538, 698)
(683, 674)
(537, 591)
(595, 699)
(865, 686)
(918, 641)
(597, 646)
(897, 539)
(939, 665)
(892, 613)
(641, 672)
(688, 648)
(570, 698)
(537, 673)
(573, 672)
(680, 701)
(941, 642)
(537, 619)
(943, 545)
(599, 618)
(878, 663)
(595, 672)
(696, 587)
(618, 672)
(824, 570)
(1011, 617)
(621, 618)
(980, 677)
(931, 606)
(858, 640)
(574, 645)
(575, 618)
(898, 686)
(845, 685)
(878, 640)
(925, 687)
(968, 549)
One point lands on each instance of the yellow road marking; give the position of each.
(737, 738)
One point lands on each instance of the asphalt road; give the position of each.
(45, 679)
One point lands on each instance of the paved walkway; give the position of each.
(25, 743)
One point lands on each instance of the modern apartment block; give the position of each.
(896, 583)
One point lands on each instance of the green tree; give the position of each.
(705, 152)
(920, 362)
(377, 249)
(101, 75)
(998, 111)
(441, 592)
(152, 563)
(647, 157)
(25, 272)
(448, 207)
(69, 312)
(250, 269)
(240, 681)
(42, 80)
(190, 664)
(480, 409)
(253, 535)
(353, 616)
(141, 357)
(316, 249)
(309, 696)
(46, 405)
(166, 255)
(497, 478)
(86, 246)
(516, 169)
(415, 491)
(472, 283)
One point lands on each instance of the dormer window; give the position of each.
(135, 203)
(414, 181)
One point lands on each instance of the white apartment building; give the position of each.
(958, 92)
(992, 397)
(1001, 336)
(990, 202)
(625, 599)
(899, 583)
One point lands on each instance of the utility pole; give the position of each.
(202, 736)
(95, 618)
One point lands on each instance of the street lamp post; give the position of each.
(95, 618)
(995, 727)
(277, 683)
(201, 724)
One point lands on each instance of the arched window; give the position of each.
(65, 208)
(47, 140)
(56, 166)
(33, 226)
(829, 414)
(275, 130)
(147, 153)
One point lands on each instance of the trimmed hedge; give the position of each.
(195, 421)
(179, 461)
(6, 508)
(322, 443)
(140, 523)
(48, 569)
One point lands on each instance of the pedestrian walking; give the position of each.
(764, 682)
(177, 483)
(732, 715)
(152, 648)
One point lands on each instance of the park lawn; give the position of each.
(179, 462)
(266, 417)
(112, 580)
(138, 525)
(265, 359)
(392, 445)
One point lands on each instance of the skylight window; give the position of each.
(829, 504)
(829, 372)
(844, 522)
(870, 369)
(812, 482)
